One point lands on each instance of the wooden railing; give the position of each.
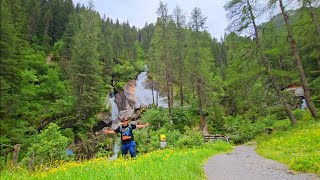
(214, 137)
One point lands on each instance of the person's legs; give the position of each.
(125, 148)
(132, 149)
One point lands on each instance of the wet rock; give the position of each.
(126, 99)
(101, 125)
(129, 91)
(104, 120)
(121, 101)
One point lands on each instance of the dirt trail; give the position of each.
(244, 163)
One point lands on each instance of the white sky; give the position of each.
(138, 12)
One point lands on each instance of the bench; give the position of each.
(214, 137)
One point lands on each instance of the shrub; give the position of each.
(191, 138)
(243, 130)
(302, 115)
(157, 117)
(141, 138)
(180, 118)
(216, 121)
(49, 145)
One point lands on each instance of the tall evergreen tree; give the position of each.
(199, 58)
(296, 57)
(242, 12)
(8, 59)
(179, 19)
(162, 49)
(85, 65)
(145, 36)
(166, 53)
(305, 33)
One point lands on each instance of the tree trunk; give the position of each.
(181, 93)
(296, 56)
(80, 114)
(180, 80)
(267, 64)
(171, 92)
(168, 92)
(199, 96)
(157, 86)
(152, 92)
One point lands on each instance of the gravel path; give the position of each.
(244, 163)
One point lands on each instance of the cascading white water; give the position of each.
(116, 149)
(114, 107)
(304, 104)
(144, 95)
(114, 110)
(114, 116)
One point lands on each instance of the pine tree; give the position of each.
(8, 62)
(245, 18)
(72, 28)
(179, 19)
(296, 57)
(85, 65)
(199, 59)
(166, 64)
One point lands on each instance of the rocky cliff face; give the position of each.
(127, 106)
(126, 99)
(127, 103)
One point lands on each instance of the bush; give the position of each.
(191, 138)
(243, 130)
(49, 145)
(216, 121)
(180, 118)
(106, 147)
(302, 115)
(141, 138)
(157, 117)
(148, 141)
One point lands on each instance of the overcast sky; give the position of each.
(138, 12)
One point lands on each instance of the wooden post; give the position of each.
(15, 155)
(31, 160)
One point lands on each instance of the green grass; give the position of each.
(160, 164)
(297, 147)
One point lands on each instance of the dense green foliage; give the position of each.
(297, 147)
(161, 164)
(49, 146)
(59, 62)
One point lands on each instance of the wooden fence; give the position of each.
(214, 137)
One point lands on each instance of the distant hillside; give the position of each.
(277, 21)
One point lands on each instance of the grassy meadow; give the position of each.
(298, 147)
(160, 164)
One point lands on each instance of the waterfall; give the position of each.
(116, 149)
(114, 110)
(304, 104)
(144, 95)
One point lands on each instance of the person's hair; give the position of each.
(124, 119)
